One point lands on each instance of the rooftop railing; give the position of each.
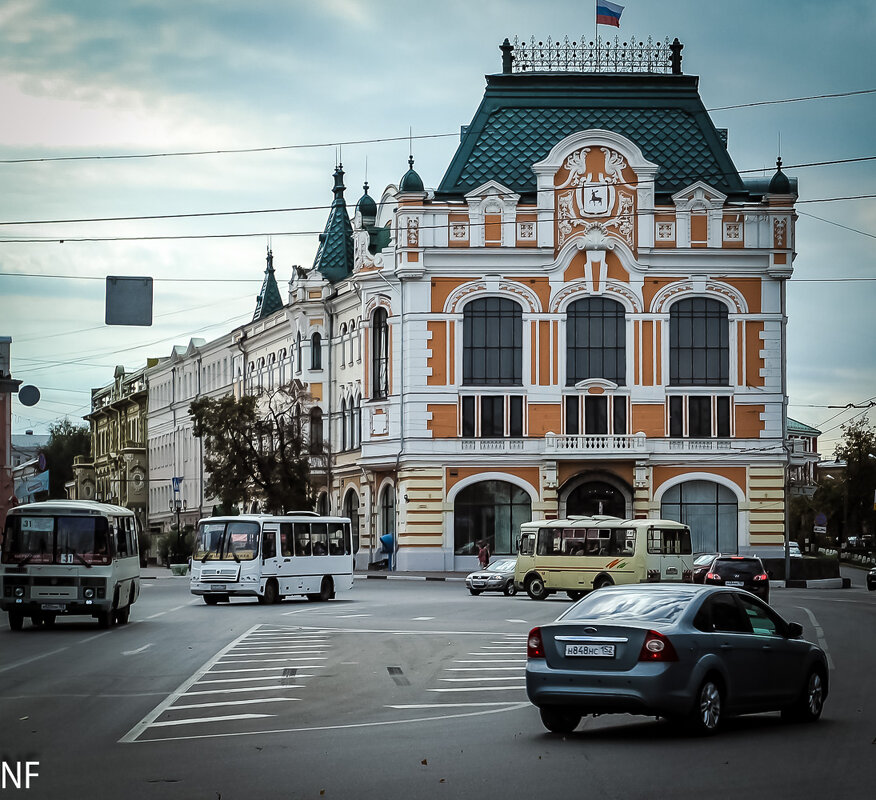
(601, 55)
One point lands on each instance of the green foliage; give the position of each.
(176, 547)
(859, 483)
(67, 441)
(254, 449)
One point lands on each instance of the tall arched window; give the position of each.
(351, 510)
(298, 352)
(387, 511)
(596, 341)
(492, 335)
(699, 343)
(344, 424)
(379, 355)
(710, 510)
(316, 351)
(489, 511)
(316, 437)
(357, 421)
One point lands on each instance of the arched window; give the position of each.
(357, 422)
(379, 355)
(699, 343)
(489, 511)
(352, 340)
(492, 342)
(298, 352)
(344, 424)
(711, 511)
(351, 510)
(596, 497)
(316, 437)
(322, 506)
(316, 351)
(596, 341)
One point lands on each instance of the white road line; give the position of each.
(247, 680)
(421, 619)
(499, 653)
(256, 669)
(33, 658)
(199, 720)
(138, 650)
(455, 705)
(819, 632)
(495, 661)
(259, 700)
(474, 680)
(280, 651)
(274, 688)
(350, 616)
(518, 620)
(480, 669)
(478, 689)
(225, 663)
(149, 719)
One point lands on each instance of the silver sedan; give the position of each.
(682, 651)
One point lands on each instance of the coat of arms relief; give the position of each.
(595, 194)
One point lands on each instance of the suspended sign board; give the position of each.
(128, 301)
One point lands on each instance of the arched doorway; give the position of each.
(351, 510)
(710, 509)
(596, 497)
(489, 511)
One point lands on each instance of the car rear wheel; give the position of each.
(705, 716)
(510, 589)
(809, 704)
(535, 587)
(559, 720)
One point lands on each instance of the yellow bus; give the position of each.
(583, 553)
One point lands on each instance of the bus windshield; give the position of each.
(56, 540)
(227, 541)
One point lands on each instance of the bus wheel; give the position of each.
(105, 618)
(535, 587)
(211, 599)
(326, 590)
(36, 619)
(271, 595)
(123, 615)
(603, 581)
(16, 620)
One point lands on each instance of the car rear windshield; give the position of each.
(738, 566)
(640, 606)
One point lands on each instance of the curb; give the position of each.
(819, 583)
(406, 578)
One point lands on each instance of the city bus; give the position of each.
(583, 553)
(272, 557)
(69, 557)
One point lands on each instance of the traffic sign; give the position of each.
(821, 519)
(819, 529)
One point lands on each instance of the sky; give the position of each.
(84, 82)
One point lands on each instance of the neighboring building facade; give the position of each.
(118, 469)
(8, 387)
(586, 316)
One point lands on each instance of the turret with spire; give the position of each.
(269, 299)
(334, 258)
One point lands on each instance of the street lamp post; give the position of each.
(178, 506)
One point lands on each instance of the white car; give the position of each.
(795, 550)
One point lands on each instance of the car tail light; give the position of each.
(762, 577)
(657, 647)
(713, 576)
(534, 646)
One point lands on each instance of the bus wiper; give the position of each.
(81, 559)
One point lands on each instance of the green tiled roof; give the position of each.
(522, 116)
(799, 427)
(334, 258)
(269, 299)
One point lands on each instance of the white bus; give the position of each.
(272, 557)
(583, 553)
(67, 557)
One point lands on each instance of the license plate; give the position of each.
(593, 650)
(52, 606)
(734, 583)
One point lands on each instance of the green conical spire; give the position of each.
(269, 299)
(334, 258)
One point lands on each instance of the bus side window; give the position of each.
(336, 540)
(544, 542)
(319, 537)
(655, 541)
(348, 546)
(286, 541)
(121, 538)
(269, 544)
(129, 533)
(302, 538)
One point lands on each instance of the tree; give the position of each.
(65, 443)
(254, 448)
(858, 450)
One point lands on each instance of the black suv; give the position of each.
(743, 571)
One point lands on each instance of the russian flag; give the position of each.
(608, 13)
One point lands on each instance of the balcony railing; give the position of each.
(595, 443)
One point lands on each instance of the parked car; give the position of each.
(701, 565)
(497, 577)
(682, 651)
(871, 579)
(743, 571)
(794, 550)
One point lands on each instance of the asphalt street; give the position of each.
(396, 689)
